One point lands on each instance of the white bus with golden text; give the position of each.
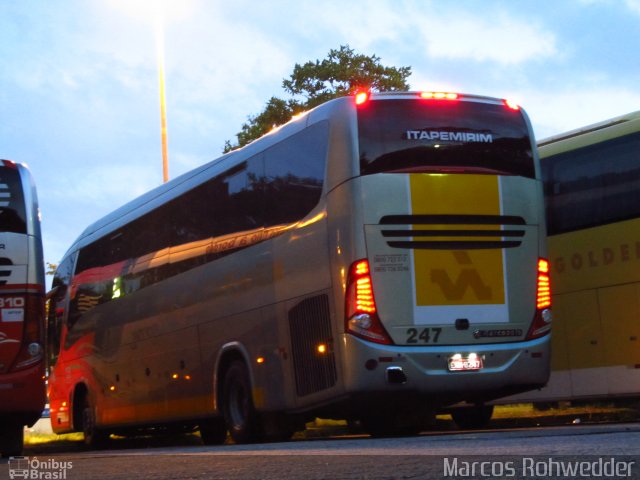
(379, 258)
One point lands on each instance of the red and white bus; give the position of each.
(22, 359)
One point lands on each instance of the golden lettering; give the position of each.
(624, 252)
(607, 255)
(576, 261)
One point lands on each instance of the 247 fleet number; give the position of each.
(426, 335)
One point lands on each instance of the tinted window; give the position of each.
(12, 211)
(593, 185)
(294, 172)
(411, 135)
(57, 305)
(219, 217)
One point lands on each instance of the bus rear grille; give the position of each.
(442, 237)
(310, 327)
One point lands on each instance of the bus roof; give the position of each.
(173, 188)
(595, 127)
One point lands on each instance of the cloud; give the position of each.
(497, 36)
(503, 39)
(633, 5)
(555, 112)
(73, 201)
(103, 187)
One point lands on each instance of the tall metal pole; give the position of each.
(163, 101)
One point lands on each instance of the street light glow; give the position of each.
(149, 10)
(163, 98)
(157, 11)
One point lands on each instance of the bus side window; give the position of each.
(57, 307)
(294, 174)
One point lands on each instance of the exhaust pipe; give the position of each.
(395, 376)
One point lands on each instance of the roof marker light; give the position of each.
(511, 104)
(9, 163)
(361, 97)
(439, 95)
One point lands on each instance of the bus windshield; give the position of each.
(12, 211)
(443, 136)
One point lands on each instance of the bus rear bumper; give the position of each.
(507, 368)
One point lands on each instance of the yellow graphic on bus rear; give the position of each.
(450, 274)
(468, 281)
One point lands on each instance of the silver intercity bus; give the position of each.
(379, 258)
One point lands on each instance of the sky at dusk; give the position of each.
(79, 95)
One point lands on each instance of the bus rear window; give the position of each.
(12, 211)
(443, 136)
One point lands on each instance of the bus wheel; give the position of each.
(237, 405)
(213, 431)
(11, 440)
(93, 436)
(472, 418)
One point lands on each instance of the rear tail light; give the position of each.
(543, 296)
(541, 324)
(32, 350)
(361, 312)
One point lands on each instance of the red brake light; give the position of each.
(361, 317)
(512, 105)
(543, 297)
(439, 95)
(541, 324)
(360, 290)
(361, 97)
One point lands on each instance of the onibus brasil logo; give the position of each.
(32, 468)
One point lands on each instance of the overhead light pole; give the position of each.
(163, 99)
(155, 11)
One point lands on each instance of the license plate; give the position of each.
(459, 363)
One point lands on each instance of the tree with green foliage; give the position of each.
(50, 268)
(343, 72)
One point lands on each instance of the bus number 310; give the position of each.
(11, 302)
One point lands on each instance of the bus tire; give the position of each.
(237, 405)
(93, 436)
(213, 431)
(472, 418)
(11, 440)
